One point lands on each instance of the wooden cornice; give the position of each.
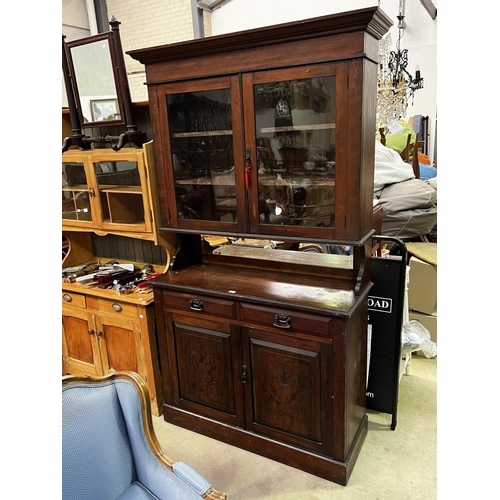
(372, 20)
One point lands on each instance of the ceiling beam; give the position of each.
(430, 8)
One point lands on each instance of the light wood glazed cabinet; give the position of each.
(268, 133)
(104, 193)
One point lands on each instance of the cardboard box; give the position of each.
(422, 287)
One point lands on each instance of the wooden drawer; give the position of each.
(202, 304)
(286, 320)
(117, 307)
(74, 299)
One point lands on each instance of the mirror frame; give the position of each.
(122, 93)
(114, 66)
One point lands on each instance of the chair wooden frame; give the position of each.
(405, 154)
(156, 448)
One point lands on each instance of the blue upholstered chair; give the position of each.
(110, 450)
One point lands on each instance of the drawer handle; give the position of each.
(196, 305)
(282, 321)
(116, 307)
(67, 297)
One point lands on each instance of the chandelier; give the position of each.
(396, 86)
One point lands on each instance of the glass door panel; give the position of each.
(295, 125)
(121, 196)
(201, 132)
(75, 193)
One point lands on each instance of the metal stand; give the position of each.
(385, 321)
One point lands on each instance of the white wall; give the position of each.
(420, 37)
(75, 20)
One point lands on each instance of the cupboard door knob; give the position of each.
(91, 192)
(282, 321)
(116, 307)
(91, 331)
(99, 333)
(67, 297)
(244, 374)
(196, 305)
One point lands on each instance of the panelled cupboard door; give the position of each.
(120, 344)
(293, 121)
(203, 163)
(287, 389)
(207, 378)
(81, 354)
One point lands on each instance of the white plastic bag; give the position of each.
(415, 337)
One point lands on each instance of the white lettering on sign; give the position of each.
(380, 304)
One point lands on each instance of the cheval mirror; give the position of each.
(97, 89)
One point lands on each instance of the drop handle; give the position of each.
(282, 321)
(196, 305)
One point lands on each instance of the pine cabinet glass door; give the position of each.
(290, 126)
(123, 200)
(76, 206)
(106, 190)
(206, 155)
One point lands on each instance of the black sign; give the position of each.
(380, 304)
(385, 320)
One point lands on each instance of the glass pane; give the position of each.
(202, 155)
(119, 185)
(295, 130)
(75, 193)
(96, 81)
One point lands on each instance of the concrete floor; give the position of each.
(392, 464)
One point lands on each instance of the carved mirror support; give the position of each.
(97, 88)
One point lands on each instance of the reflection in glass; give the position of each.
(202, 154)
(75, 193)
(295, 130)
(95, 81)
(120, 192)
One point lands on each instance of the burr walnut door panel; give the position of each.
(207, 379)
(288, 389)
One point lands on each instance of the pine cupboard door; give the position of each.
(81, 355)
(120, 344)
(77, 204)
(288, 389)
(207, 369)
(122, 198)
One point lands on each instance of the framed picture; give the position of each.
(104, 110)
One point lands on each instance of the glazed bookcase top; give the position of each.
(269, 132)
